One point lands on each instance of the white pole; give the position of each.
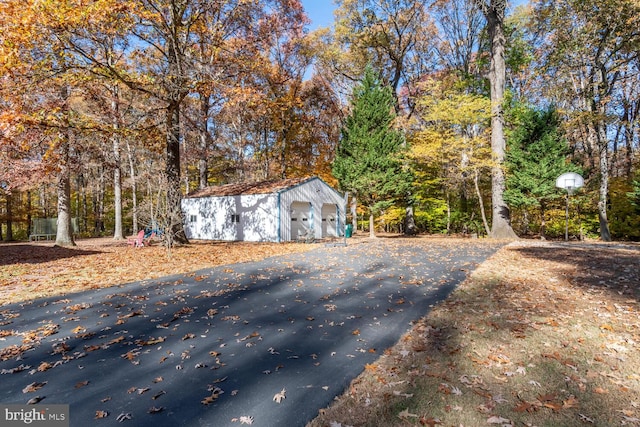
(346, 205)
(566, 227)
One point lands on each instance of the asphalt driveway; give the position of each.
(269, 342)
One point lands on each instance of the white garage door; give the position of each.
(300, 219)
(329, 218)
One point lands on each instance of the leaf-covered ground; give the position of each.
(36, 269)
(542, 334)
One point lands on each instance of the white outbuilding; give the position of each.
(269, 211)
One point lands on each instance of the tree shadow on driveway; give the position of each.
(210, 347)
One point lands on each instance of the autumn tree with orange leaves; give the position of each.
(166, 51)
(40, 81)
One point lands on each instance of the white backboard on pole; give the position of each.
(570, 181)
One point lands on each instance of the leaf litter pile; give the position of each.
(542, 334)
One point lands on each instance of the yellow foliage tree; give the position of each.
(454, 139)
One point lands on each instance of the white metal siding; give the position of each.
(316, 192)
(214, 218)
(262, 217)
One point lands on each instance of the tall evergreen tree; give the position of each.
(634, 196)
(368, 161)
(536, 156)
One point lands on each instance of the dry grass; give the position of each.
(540, 335)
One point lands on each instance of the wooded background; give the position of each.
(111, 110)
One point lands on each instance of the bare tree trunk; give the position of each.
(372, 228)
(64, 236)
(117, 201)
(176, 90)
(448, 213)
(597, 142)
(85, 206)
(98, 204)
(64, 233)
(134, 188)
(354, 213)
(29, 212)
(629, 137)
(81, 202)
(600, 146)
(605, 234)
(476, 174)
(78, 193)
(42, 196)
(543, 222)
(117, 171)
(409, 222)
(629, 149)
(9, 235)
(173, 173)
(500, 220)
(283, 148)
(203, 177)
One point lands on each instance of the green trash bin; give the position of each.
(348, 230)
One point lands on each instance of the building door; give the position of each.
(329, 220)
(300, 219)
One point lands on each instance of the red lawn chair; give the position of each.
(138, 241)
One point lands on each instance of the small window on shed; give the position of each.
(235, 218)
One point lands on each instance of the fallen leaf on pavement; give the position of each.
(210, 399)
(33, 387)
(78, 329)
(279, 396)
(158, 394)
(44, 366)
(35, 400)
(123, 417)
